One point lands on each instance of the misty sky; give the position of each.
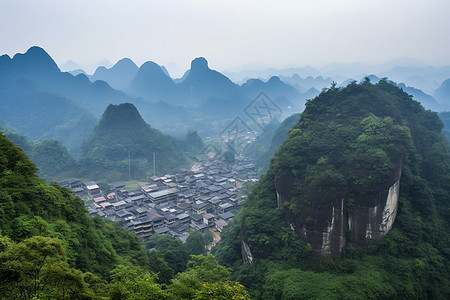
(231, 34)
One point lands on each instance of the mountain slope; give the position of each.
(284, 95)
(122, 133)
(42, 115)
(152, 83)
(40, 101)
(118, 76)
(442, 94)
(355, 152)
(31, 207)
(38, 68)
(51, 249)
(201, 82)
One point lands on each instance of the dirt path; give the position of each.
(214, 242)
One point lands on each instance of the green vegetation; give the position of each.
(122, 135)
(347, 144)
(445, 118)
(195, 243)
(50, 156)
(121, 145)
(268, 142)
(51, 249)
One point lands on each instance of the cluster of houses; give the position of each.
(202, 198)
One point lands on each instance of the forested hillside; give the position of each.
(122, 134)
(51, 249)
(268, 142)
(51, 158)
(346, 147)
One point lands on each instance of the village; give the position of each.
(205, 197)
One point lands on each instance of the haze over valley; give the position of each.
(224, 149)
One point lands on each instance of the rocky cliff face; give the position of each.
(327, 226)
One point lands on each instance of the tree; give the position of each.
(172, 250)
(208, 236)
(132, 283)
(229, 156)
(205, 279)
(195, 243)
(222, 291)
(37, 268)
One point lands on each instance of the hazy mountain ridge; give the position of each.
(118, 76)
(418, 79)
(442, 94)
(203, 100)
(152, 83)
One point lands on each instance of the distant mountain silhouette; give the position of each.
(38, 68)
(304, 84)
(165, 71)
(40, 101)
(35, 63)
(311, 93)
(282, 94)
(118, 76)
(43, 115)
(442, 94)
(431, 77)
(428, 101)
(202, 83)
(77, 72)
(244, 75)
(209, 91)
(152, 83)
(69, 66)
(203, 99)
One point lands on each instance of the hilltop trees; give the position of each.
(51, 249)
(346, 145)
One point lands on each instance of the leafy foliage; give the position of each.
(195, 243)
(346, 144)
(121, 135)
(51, 249)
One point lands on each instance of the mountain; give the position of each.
(122, 134)
(118, 76)
(266, 73)
(304, 84)
(42, 102)
(268, 142)
(199, 83)
(77, 72)
(442, 94)
(38, 68)
(426, 100)
(42, 115)
(69, 66)
(284, 95)
(429, 77)
(152, 83)
(202, 83)
(353, 199)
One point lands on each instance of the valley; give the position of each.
(296, 183)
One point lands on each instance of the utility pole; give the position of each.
(129, 166)
(154, 166)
